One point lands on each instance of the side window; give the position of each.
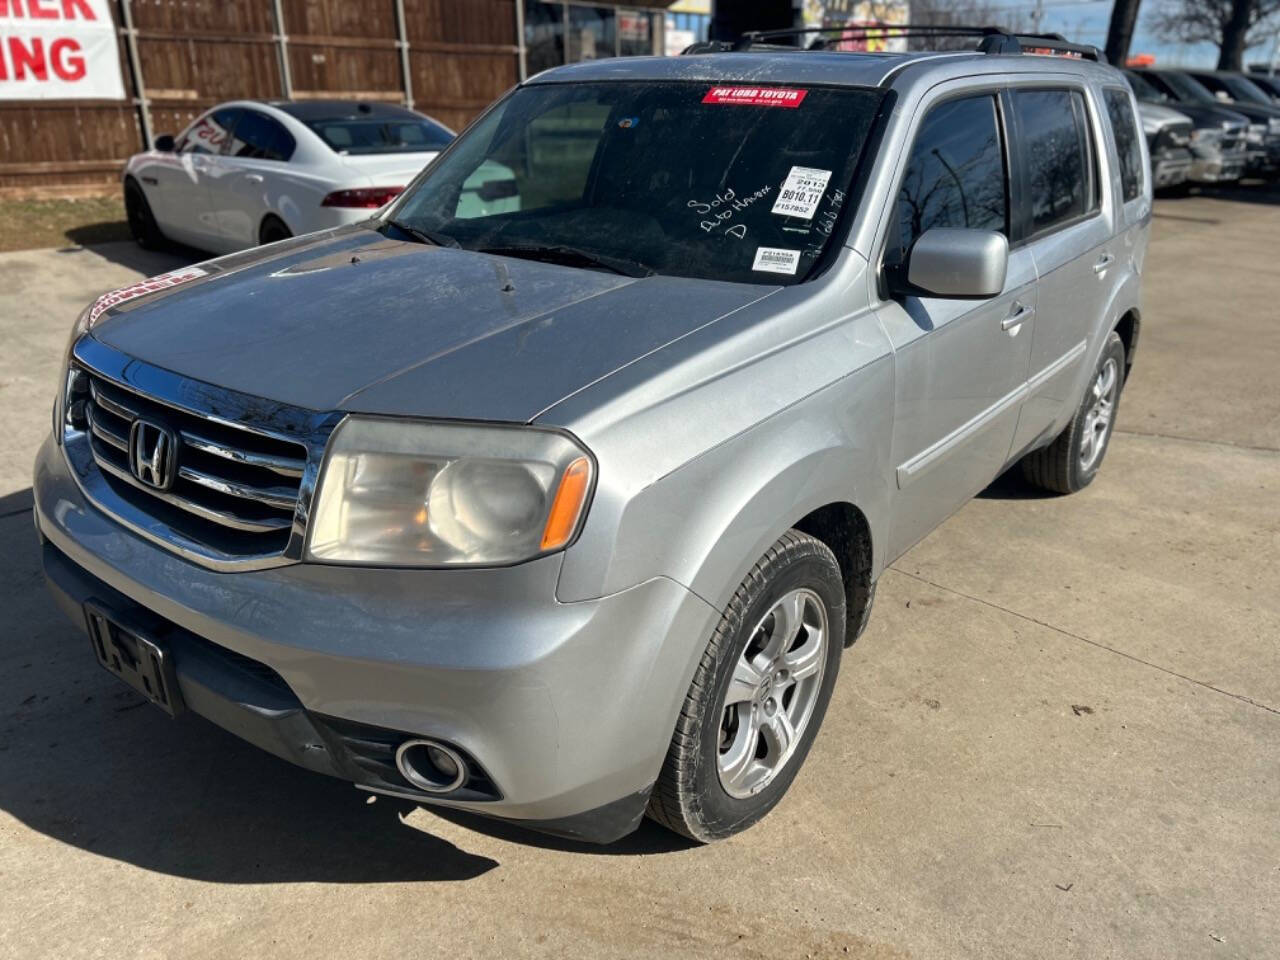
(1054, 139)
(955, 175)
(259, 137)
(210, 132)
(1127, 146)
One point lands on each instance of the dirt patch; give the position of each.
(32, 224)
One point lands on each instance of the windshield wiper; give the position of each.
(424, 236)
(571, 256)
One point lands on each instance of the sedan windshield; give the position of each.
(381, 136)
(1185, 87)
(688, 179)
(1245, 90)
(1143, 89)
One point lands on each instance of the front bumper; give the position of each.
(567, 708)
(1217, 167)
(1170, 167)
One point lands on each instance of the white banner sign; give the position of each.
(58, 50)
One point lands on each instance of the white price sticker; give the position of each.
(801, 192)
(776, 260)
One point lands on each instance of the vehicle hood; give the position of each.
(351, 320)
(388, 169)
(1207, 114)
(1156, 116)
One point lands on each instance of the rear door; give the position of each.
(960, 365)
(1066, 222)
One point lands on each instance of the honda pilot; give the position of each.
(560, 501)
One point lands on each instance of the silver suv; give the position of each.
(555, 491)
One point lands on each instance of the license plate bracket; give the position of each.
(139, 660)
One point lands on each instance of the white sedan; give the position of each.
(250, 172)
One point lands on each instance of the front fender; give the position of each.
(705, 524)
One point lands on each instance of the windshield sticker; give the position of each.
(801, 192)
(776, 260)
(756, 96)
(626, 123)
(141, 289)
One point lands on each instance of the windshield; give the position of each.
(381, 136)
(1184, 87)
(687, 179)
(1143, 89)
(1244, 89)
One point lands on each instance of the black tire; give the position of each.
(689, 797)
(273, 229)
(1060, 467)
(142, 223)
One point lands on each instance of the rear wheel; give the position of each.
(142, 224)
(758, 696)
(273, 229)
(1071, 462)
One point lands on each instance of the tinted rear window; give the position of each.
(1055, 144)
(1127, 146)
(356, 136)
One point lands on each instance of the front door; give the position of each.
(960, 365)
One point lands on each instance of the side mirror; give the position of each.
(958, 263)
(163, 143)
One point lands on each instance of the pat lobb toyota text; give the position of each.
(555, 491)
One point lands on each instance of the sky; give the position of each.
(1085, 21)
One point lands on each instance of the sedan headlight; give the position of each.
(1206, 136)
(1256, 133)
(408, 493)
(1273, 125)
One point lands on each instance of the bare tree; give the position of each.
(1232, 25)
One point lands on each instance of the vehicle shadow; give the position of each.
(1265, 192)
(1012, 485)
(89, 763)
(128, 254)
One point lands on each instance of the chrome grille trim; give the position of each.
(281, 497)
(241, 495)
(216, 516)
(284, 466)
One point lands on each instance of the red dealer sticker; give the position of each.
(756, 96)
(141, 289)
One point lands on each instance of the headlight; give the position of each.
(1273, 125)
(406, 493)
(1206, 136)
(68, 387)
(1257, 132)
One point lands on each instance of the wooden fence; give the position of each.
(447, 58)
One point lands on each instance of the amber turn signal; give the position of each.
(568, 504)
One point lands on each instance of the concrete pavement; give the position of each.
(1059, 738)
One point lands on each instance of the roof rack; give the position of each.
(991, 39)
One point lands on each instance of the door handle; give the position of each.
(1104, 261)
(253, 177)
(1019, 316)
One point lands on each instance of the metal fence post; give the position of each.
(135, 67)
(524, 63)
(402, 43)
(282, 50)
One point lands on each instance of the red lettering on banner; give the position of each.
(70, 6)
(10, 8)
(756, 96)
(23, 58)
(37, 10)
(69, 68)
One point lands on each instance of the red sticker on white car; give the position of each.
(142, 288)
(756, 96)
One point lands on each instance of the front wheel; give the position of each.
(758, 696)
(1071, 462)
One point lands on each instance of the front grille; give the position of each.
(233, 488)
(1174, 136)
